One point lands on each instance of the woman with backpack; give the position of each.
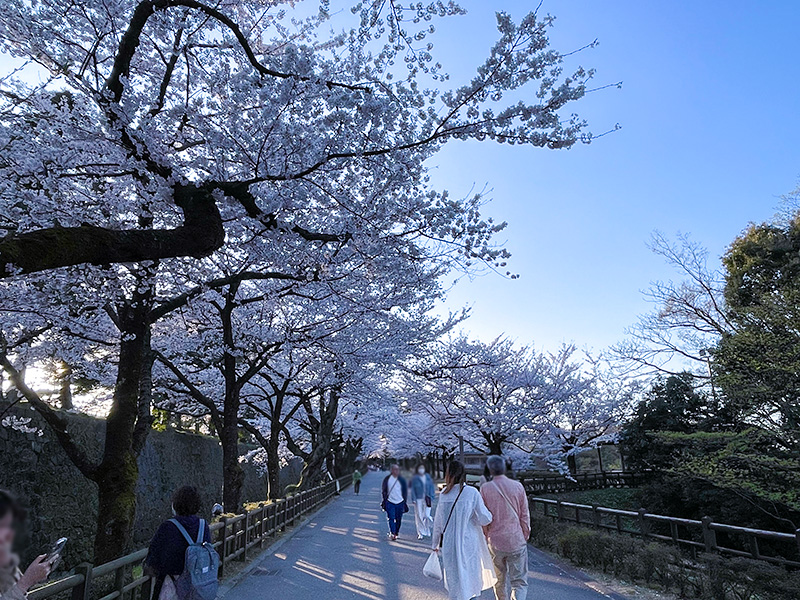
(458, 537)
(166, 559)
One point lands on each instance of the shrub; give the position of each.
(711, 577)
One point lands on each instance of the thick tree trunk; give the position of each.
(274, 468)
(118, 472)
(65, 388)
(494, 443)
(117, 507)
(572, 464)
(312, 473)
(233, 474)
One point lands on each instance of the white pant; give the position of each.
(422, 515)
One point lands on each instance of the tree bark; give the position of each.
(118, 472)
(312, 473)
(201, 234)
(65, 388)
(233, 474)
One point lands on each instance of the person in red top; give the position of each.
(509, 530)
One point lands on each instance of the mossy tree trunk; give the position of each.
(322, 431)
(127, 425)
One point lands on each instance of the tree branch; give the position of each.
(54, 420)
(201, 234)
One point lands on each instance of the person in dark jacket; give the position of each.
(395, 496)
(168, 547)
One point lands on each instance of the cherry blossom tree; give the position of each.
(484, 392)
(506, 399)
(139, 139)
(589, 402)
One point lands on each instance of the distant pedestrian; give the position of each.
(457, 535)
(14, 584)
(423, 493)
(167, 555)
(486, 477)
(509, 530)
(395, 494)
(357, 477)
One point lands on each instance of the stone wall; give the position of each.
(61, 502)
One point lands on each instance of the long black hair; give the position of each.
(10, 504)
(456, 475)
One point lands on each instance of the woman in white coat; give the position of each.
(458, 537)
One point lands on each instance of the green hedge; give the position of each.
(659, 565)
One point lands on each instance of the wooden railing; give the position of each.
(235, 538)
(703, 535)
(557, 483)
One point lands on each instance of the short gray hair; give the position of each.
(496, 465)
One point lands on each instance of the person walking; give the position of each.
(14, 584)
(394, 491)
(509, 530)
(167, 554)
(486, 477)
(357, 477)
(458, 537)
(422, 494)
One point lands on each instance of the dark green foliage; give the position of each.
(690, 498)
(758, 365)
(672, 404)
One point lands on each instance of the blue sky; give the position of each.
(710, 140)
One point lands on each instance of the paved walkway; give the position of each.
(343, 554)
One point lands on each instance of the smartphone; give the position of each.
(54, 554)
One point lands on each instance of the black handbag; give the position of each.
(441, 537)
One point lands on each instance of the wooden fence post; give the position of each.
(754, 551)
(245, 528)
(797, 535)
(146, 589)
(223, 547)
(559, 510)
(119, 580)
(673, 531)
(595, 517)
(709, 535)
(644, 526)
(82, 591)
(261, 527)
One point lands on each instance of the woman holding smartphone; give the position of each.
(14, 584)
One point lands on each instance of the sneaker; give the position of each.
(394, 538)
(419, 537)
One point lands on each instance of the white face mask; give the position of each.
(421, 470)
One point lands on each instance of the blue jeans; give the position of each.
(395, 514)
